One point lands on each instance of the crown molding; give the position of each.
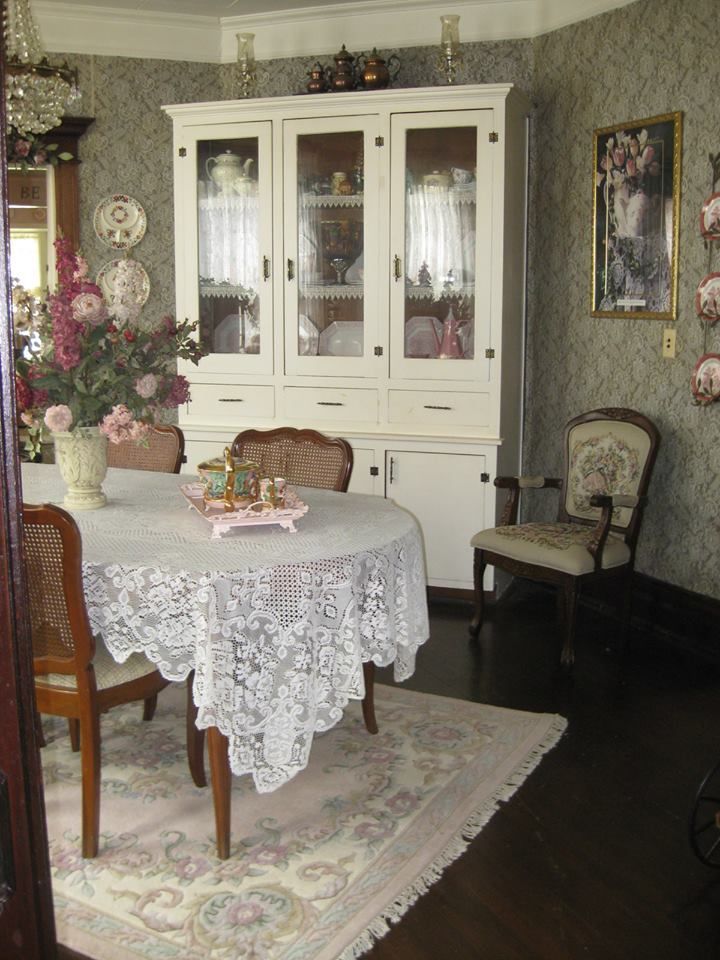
(308, 31)
(118, 32)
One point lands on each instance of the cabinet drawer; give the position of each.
(229, 403)
(328, 403)
(438, 408)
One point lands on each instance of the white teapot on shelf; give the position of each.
(226, 168)
(244, 185)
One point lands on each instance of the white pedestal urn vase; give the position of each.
(81, 455)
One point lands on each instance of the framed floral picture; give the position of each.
(636, 218)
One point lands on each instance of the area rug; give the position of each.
(318, 869)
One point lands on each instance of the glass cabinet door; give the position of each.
(331, 246)
(231, 246)
(441, 225)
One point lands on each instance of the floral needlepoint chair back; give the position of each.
(87, 362)
(609, 457)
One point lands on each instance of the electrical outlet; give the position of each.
(668, 342)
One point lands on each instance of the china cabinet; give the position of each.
(355, 263)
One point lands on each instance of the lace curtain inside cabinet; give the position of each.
(228, 232)
(440, 233)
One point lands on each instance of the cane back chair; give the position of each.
(609, 458)
(162, 449)
(304, 457)
(75, 676)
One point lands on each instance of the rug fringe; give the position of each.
(380, 926)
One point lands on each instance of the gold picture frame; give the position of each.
(636, 218)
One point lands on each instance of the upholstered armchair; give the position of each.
(609, 457)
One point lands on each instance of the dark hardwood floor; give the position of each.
(590, 858)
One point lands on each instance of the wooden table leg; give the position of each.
(221, 783)
(368, 703)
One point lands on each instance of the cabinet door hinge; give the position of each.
(493, 136)
(484, 478)
(374, 471)
(182, 151)
(379, 141)
(378, 351)
(490, 353)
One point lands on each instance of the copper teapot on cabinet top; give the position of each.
(343, 76)
(376, 73)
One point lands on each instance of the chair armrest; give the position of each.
(514, 485)
(607, 502)
(615, 500)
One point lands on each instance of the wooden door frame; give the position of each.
(27, 924)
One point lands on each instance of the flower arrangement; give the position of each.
(89, 363)
(629, 172)
(30, 150)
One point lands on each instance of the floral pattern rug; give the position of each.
(317, 869)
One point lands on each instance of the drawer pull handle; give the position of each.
(330, 403)
(290, 269)
(266, 268)
(230, 399)
(435, 406)
(397, 268)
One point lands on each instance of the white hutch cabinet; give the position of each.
(356, 264)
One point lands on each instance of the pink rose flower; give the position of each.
(619, 156)
(631, 167)
(146, 386)
(58, 418)
(89, 308)
(22, 148)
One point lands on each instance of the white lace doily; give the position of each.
(275, 624)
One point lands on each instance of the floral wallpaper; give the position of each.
(640, 61)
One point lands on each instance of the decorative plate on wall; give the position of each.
(119, 221)
(707, 298)
(108, 273)
(710, 218)
(705, 381)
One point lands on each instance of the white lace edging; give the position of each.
(394, 911)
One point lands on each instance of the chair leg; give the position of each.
(368, 703)
(195, 738)
(626, 611)
(149, 707)
(479, 565)
(90, 760)
(221, 787)
(74, 729)
(570, 597)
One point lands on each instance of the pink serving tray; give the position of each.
(221, 522)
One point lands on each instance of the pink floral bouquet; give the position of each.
(89, 363)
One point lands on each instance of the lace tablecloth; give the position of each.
(275, 624)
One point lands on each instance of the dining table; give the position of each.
(275, 625)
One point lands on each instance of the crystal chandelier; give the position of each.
(37, 93)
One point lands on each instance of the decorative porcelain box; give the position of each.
(229, 480)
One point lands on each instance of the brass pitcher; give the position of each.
(375, 73)
(343, 76)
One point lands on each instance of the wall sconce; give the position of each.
(450, 58)
(247, 73)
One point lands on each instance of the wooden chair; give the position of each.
(303, 457)
(310, 459)
(75, 676)
(609, 457)
(163, 451)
